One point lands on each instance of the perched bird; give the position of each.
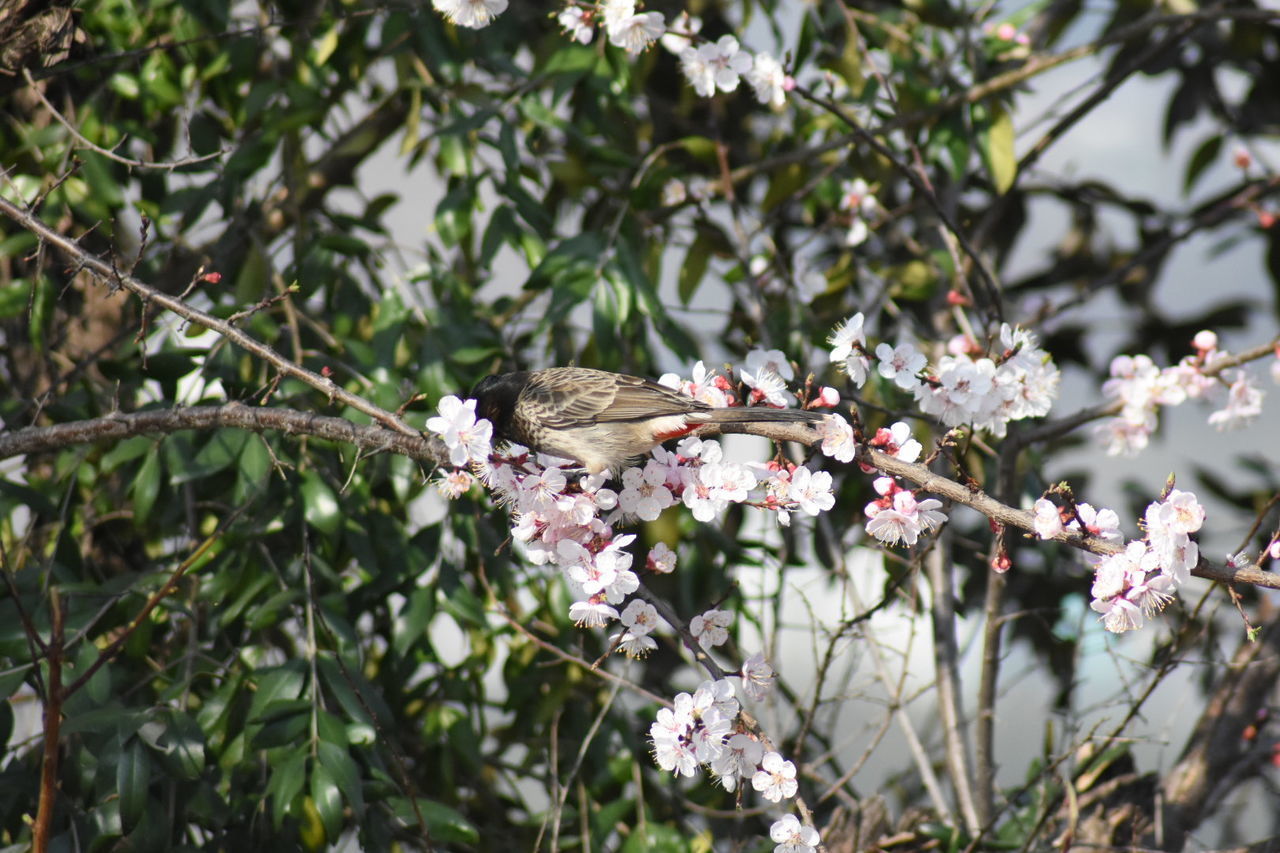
(600, 419)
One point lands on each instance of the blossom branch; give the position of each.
(995, 510)
(1051, 429)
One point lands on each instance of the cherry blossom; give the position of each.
(661, 559)
(455, 483)
(739, 757)
(848, 349)
(773, 360)
(767, 387)
(837, 439)
(769, 80)
(1244, 402)
(757, 677)
(898, 517)
(896, 440)
(811, 491)
(640, 619)
(901, 364)
(577, 23)
(856, 197)
(711, 628)
(715, 65)
(776, 778)
(644, 493)
(468, 439)
(470, 13)
(791, 836)
(680, 31)
(630, 30)
(1048, 519)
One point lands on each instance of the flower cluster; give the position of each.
(898, 516)
(1142, 388)
(856, 197)
(709, 66)
(702, 730)
(1050, 521)
(474, 14)
(569, 523)
(1020, 382)
(1138, 581)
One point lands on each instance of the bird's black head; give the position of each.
(496, 399)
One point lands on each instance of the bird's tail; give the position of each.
(762, 414)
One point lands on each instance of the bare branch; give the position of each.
(116, 427)
(106, 152)
(114, 278)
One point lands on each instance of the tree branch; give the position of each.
(119, 426)
(115, 278)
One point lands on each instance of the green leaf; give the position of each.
(785, 183)
(444, 824)
(324, 46)
(145, 487)
(700, 147)
(14, 297)
(327, 798)
(125, 85)
(694, 267)
(342, 768)
(1205, 155)
(323, 512)
(274, 685)
(410, 624)
(284, 723)
(179, 741)
(12, 679)
(268, 613)
(997, 150)
(502, 229)
(287, 778)
(133, 773)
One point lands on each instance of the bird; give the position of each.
(599, 419)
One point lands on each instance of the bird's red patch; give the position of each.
(675, 433)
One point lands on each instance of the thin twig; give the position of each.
(106, 152)
(54, 696)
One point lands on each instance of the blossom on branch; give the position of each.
(474, 14)
(715, 65)
(792, 836)
(467, 438)
(578, 23)
(630, 30)
(1139, 581)
(776, 778)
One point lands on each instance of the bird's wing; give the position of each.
(573, 397)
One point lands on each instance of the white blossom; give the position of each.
(470, 13)
(769, 80)
(776, 778)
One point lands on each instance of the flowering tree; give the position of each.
(270, 580)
